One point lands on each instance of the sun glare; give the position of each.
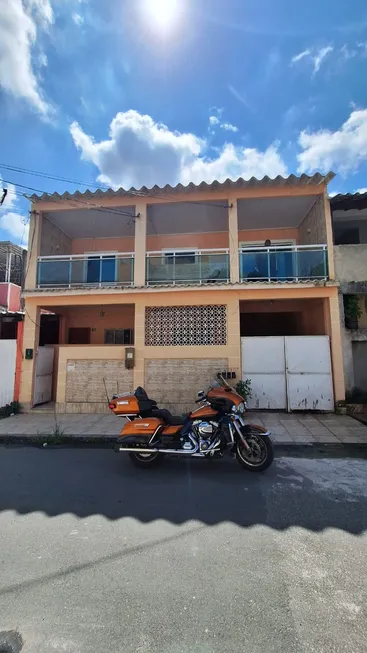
(162, 14)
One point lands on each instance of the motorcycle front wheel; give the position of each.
(261, 453)
(146, 460)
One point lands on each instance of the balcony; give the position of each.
(283, 263)
(81, 270)
(188, 267)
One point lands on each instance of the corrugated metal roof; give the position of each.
(348, 201)
(266, 182)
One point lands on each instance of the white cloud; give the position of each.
(19, 22)
(342, 150)
(213, 120)
(10, 220)
(228, 127)
(320, 56)
(77, 18)
(361, 190)
(142, 152)
(316, 57)
(300, 56)
(13, 223)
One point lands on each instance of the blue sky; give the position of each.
(137, 92)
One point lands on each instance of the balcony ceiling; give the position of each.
(90, 223)
(350, 216)
(273, 212)
(186, 217)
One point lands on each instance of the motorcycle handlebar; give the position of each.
(199, 400)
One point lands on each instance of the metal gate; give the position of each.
(288, 372)
(8, 353)
(43, 380)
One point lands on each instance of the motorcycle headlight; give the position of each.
(240, 408)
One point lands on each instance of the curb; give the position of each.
(285, 449)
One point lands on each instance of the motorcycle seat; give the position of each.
(168, 418)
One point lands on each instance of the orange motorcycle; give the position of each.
(215, 428)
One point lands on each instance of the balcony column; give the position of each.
(140, 244)
(329, 235)
(34, 248)
(30, 341)
(234, 261)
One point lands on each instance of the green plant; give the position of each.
(244, 389)
(352, 309)
(10, 409)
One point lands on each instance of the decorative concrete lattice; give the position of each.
(167, 326)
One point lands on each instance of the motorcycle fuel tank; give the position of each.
(204, 412)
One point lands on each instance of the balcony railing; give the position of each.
(283, 263)
(85, 270)
(196, 267)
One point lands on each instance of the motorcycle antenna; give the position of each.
(105, 387)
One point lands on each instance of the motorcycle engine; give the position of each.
(207, 434)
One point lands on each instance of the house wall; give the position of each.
(312, 229)
(350, 338)
(115, 317)
(359, 350)
(174, 383)
(210, 240)
(10, 296)
(83, 245)
(182, 356)
(13, 298)
(351, 263)
(53, 240)
(82, 374)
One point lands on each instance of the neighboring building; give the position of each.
(350, 237)
(235, 277)
(12, 261)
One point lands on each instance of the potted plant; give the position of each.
(244, 389)
(352, 311)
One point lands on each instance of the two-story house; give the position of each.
(166, 287)
(349, 214)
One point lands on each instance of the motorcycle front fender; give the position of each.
(247, 428)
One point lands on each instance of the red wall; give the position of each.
(11, 292)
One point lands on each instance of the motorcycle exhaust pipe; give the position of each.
(178, 452)
(174, 452)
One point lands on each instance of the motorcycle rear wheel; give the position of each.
(146, 460)
(261, 455)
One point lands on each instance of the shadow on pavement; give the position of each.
(90, 482)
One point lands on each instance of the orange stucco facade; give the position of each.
(126, 308)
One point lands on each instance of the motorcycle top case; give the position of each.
(125, 405)
(142, 426)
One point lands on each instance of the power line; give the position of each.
(132, 193)
(46, 175)
(95, 207)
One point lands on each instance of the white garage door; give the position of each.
(288, 373)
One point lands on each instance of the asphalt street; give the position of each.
(201, 557)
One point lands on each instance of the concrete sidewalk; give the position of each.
(301, 429)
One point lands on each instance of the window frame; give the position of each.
(123, 344)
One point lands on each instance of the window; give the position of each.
(180, 256)
(101, 269)
(119, 337)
